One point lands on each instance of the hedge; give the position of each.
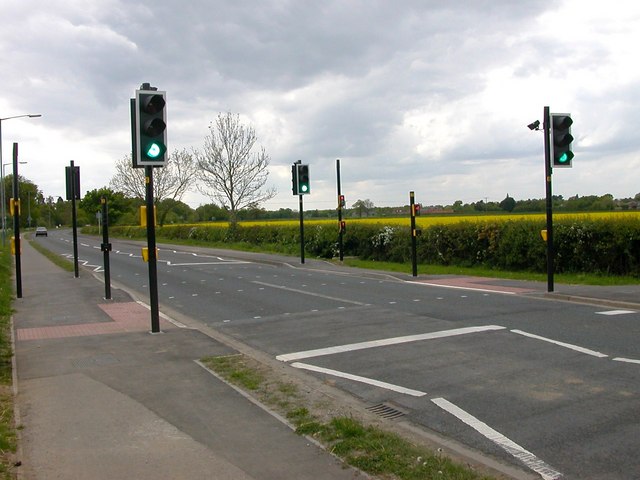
(608, 246)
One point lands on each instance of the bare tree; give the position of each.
(232, 173)
(363, 207)
(169, 182)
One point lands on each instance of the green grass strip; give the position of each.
(369, 448)
(8, 438)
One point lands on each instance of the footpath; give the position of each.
(99, 397)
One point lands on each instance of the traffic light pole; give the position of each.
(301, 230)
(74, 226)
(16, 222)
(106, 248)
(414, 233)
(548, 170)
(341, 234)
(151, 248)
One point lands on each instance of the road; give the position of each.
(550, 386)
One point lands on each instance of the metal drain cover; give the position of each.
(385, 410)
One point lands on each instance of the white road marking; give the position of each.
(224, 262)
(306, 292)
(457, 287)
(357, 378)
(562, 344)
(385, 342)
(626, 360)
(616, 312)
(525, 456)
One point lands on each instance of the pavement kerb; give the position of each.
(17, 418)
(591, 301)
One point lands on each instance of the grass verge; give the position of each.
(576, 279)
(8, 438)
(60, 261)
(370, 448)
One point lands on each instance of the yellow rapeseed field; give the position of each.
(427, 220)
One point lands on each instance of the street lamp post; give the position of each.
(2, 193)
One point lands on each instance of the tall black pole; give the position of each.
(301, 230)
(151, 247)
(548, 170)
(74, 225)
(341, 234)
(414, 233)
(16, 221)
(106, 248)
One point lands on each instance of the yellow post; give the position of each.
(13, 246)
(143, 216)
(145, 254)
(13, 204)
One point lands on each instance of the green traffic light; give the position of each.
(154, 150)
(565, 157)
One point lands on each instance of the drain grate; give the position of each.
(385, 410)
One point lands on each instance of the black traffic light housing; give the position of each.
(151, 128)
(561, 140)
(300, 179)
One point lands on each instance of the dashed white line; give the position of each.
(525, 456)
(562, 344)
(616, 312)
(626, 360)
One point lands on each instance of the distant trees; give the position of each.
(119, 205)
(508, 204)
(170, 182)
(232, 168)
(363, 207)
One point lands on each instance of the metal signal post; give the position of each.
(149, 150)
(341, 203)
(414, 234)
(548, 170)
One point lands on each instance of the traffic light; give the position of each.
(151, 128)
(294, 178)
(304, 187)
(561, 140)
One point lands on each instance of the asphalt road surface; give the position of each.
(550, 386)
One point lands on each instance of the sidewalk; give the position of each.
(99, 397)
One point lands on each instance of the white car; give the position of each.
(41, 231)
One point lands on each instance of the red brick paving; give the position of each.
(127, 317)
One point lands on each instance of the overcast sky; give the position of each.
(424, 95)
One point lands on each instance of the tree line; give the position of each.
(231, 169)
